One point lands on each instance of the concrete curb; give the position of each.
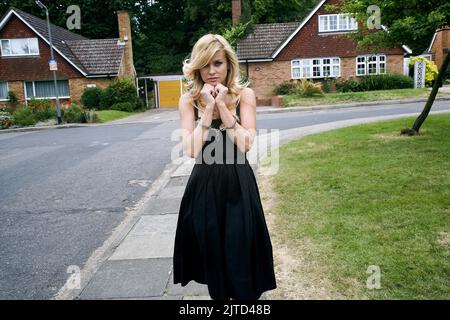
(263, 111)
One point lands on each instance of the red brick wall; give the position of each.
(264, 76)
(31, 68)
(441, 46)
(308, 43)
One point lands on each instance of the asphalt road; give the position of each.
(63, 191)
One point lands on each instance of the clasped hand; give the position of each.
(214, 95)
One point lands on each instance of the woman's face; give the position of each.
(216, 70)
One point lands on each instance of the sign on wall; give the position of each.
(53, 65)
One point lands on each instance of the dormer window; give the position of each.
(337, 23)
(19, 47)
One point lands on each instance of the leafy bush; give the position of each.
(431, 70)
(24, 116)
(42, 109)
(351, 85)
(74, 114)
(6, 120)
(6, 108)
(12, 99)
(376, 82)
(309, 88)
(284, 88)
(119, 91)
(40, 104)
(91, 116)
(122, 106)
(91, 97)
(304, 87)
(140, 104)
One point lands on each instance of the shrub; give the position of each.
(6, 120)
(6, 108)
(119, 91)
(13, 100)
(40, 105)
(385, 82)
(376, 82)
(309, 88)
(91, 97)
(351, 85)
(140, 104)
(326, 86)
(24, 116)
(42, 109)
(286, 87)
(91, 116)
(431, 70)
(74, 114)
(122, 106)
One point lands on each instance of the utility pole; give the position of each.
(52, 62)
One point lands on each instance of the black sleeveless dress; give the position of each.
(222, 238)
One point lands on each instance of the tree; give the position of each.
(426, 110)
(412, 23)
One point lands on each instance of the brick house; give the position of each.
(440, 45)
(82, 62)
(312, 49)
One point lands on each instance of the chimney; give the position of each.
(235, 11)
(441, 46)
(127, 65)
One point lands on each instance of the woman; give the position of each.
(221, 238)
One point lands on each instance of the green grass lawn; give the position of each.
(365, 195)
(346, 97)
(108, 115)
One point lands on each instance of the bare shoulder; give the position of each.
(185, 101)
(248, 96)
(185, 98)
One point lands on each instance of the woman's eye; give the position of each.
(218, 63)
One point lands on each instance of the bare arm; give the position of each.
(193, 137)
(242, 134)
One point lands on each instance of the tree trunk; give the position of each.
(426, 110)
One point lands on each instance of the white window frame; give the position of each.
(41, 98)
(22, 54)
(366, 64)
(301, 64)
(325, 19)
(7, 90)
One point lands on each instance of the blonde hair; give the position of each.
(202, 52)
